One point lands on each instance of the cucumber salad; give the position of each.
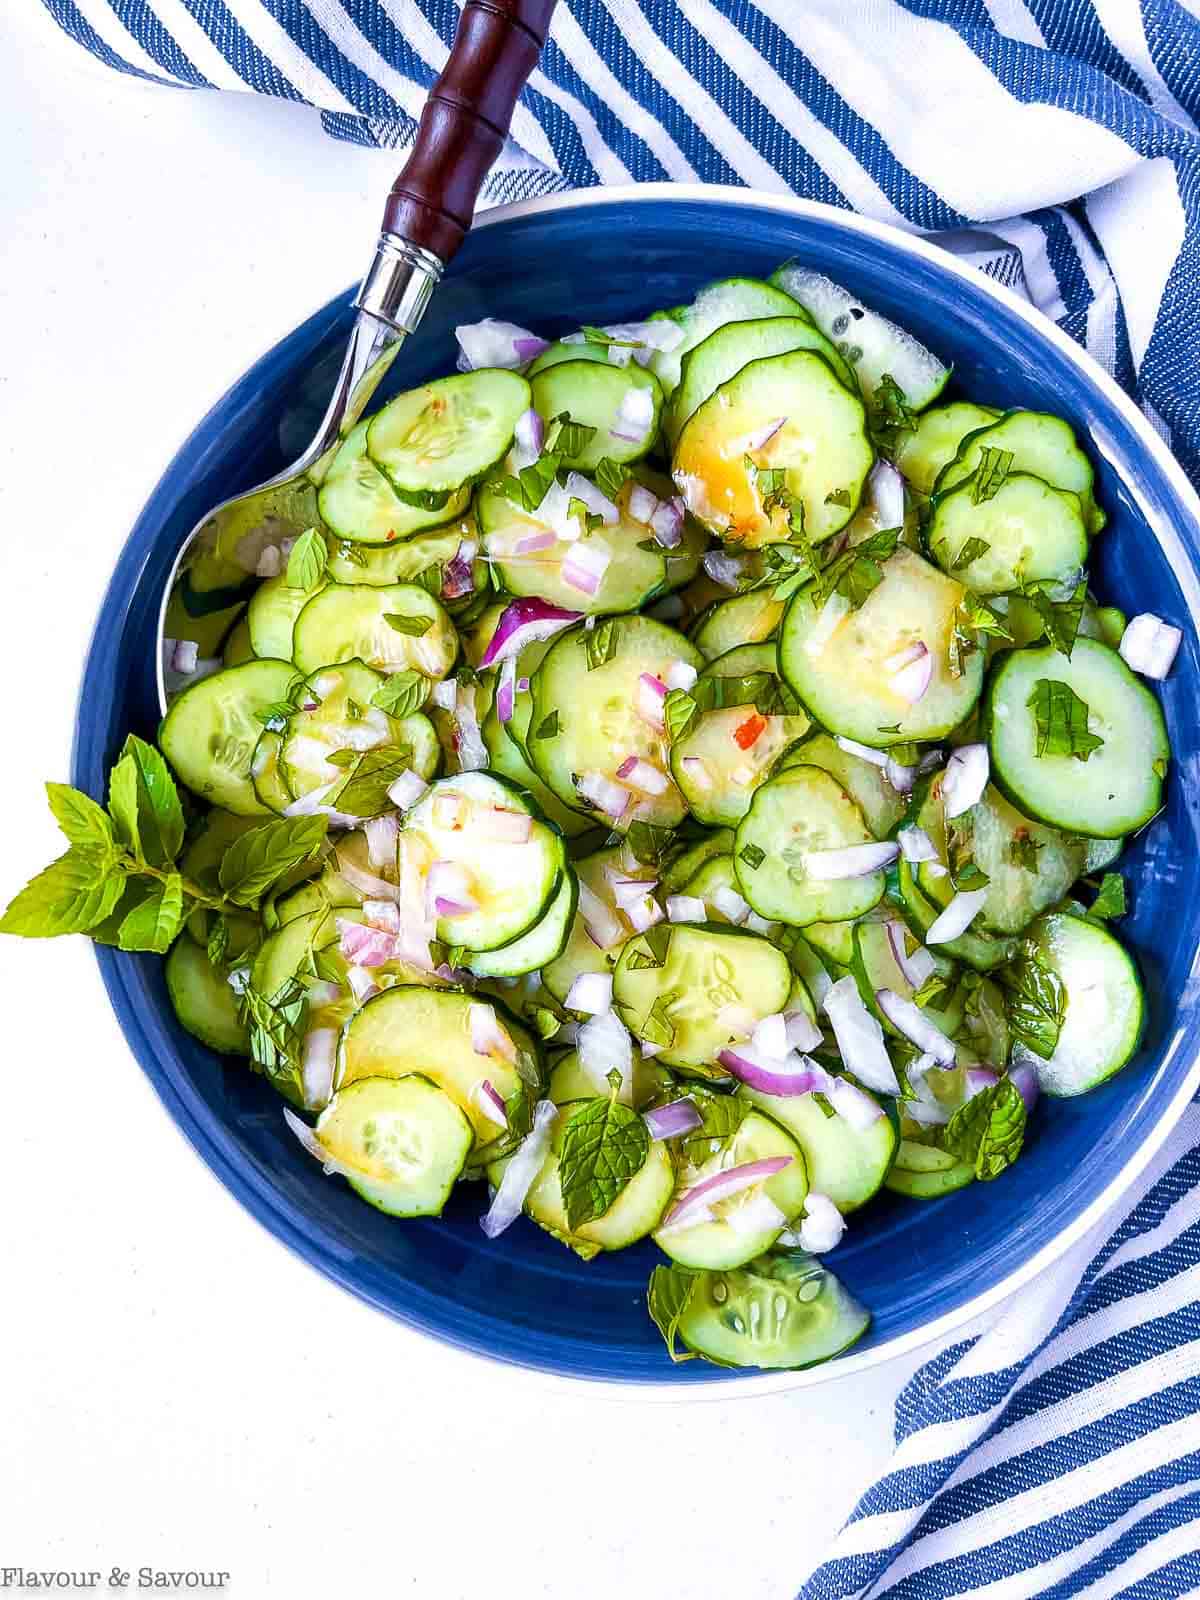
(673, 787)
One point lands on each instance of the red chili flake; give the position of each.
(747, 732)
(391, 535)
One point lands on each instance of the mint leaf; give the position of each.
(649, 841)
(679, 712)
(365, 790)
(1023, 851)
(1035, 1001)
(598, 336)
(656, 1026)
(752, 856)
(1110, 902)
(667, 1298)
(415, 627)
(351, 553)
(144, 803)
(604, 1145)
(80, 818)
(989, 1130)
(989, 475)
(547, 728)
(722, 1115)
(1060, 618)
(217, 946)
(567, 436)
(154, 923)
(857, 572)
(600, 642)
(971, 551)
(889, 414)
(276, 1029)
(402, 693)
(71, 895)
(307, 560)
(934, 988)
(649, 951)
(609, 477)
(259, 858)
(1061, 718)
(839, 497)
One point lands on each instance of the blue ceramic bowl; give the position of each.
(921, 1267)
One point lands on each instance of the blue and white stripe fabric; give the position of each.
(1055, 143)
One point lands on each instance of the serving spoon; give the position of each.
(427, 216)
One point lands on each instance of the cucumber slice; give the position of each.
(1031, 532)
(685, 866)
(874, 347)
(405, 560)
(554, 355)
(843, 676)
(211, 729)
(581, 954)
(517, 727)
(922, 454)
(505, 758)
(633, 1214)
(266, 774)
(726, 351)
(882, 807)
(358, 503)
(833, 943)
(728, 752)
(1040, 444)
(568, 1081)
(1105, 1007)
(924, 1173)
(638, 570)
(802, 811)
(716, 874)
(706, 971)
(435, 439)
(204, 1003)
(822, 449)
(289, 950)
(343, 718)
(781, 1312)
(512, 883)
(271, 616)
(594, 393)
(1119, 788)
(1101, 853)
(400, 1143)
(846, 1163)
(412, 1029)
(348, 622)
(735, 1236)
(729, 300)
(747, 618)
(983, 951)
(875, 967)
(592, 710)
(237, 648)
(544, 942)
(1000, 840)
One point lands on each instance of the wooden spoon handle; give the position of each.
(465, 121)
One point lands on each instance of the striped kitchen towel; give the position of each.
(1055, 142)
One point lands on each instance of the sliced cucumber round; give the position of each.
(434, 440)
(400, 1143)
(267, 775)
(922, 454)
(881, 805)
(271, 616)
(1116, 787)
(237, 649)
(747, 618)
(343, 718)
(203, 1001)
(1028, 531)
(1040, 444)
(568, 1081)
(347, 622)
(599, 396)
(716, 305)
(821, 449)
(1105, 1003)
(505, 759)
(776, 853)
(555, 354)
(211, 729)
(685, 865)
(844, 1162)
(781, 1312)
(357, 503)
(924, 1173)
(841, 662)
(403, 560)
(543, 943)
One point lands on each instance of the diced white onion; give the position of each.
(730, 903)
(488, 1038)
(916, 1027)
(320, 1048)
(601, 922)
(1149, 645)
(644, 913)
(830, 618)
(859, 1037)
(407, 790)
(580, 488)
(680, 675)
(604, 794)
(865, 752)
(521, 1171)
(643, 776)
(915, 844)
(965, 779)
(686, 908)
(822, 1226)
(770, 1036)
(605, 1046)
(585, 564)
(887, 494)
(591, 992)
(723, 569)
(957, 917)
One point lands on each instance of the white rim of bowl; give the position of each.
(979, 1305)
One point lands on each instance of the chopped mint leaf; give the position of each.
(415, 627)
(604, 1145)
(567, 437)
(971, 551)
(307, 560)
(667, 1298)
(839, 497)
(752, 856)
(401, 694)
(1023, 850)
(1110, 902)
(990, 474)
(1061, 718)
(656, 1026)
(1060, 618)
(548, 726)
(352, 553)
(609, 476)
(1035, 1001)
(259, 858)
(649, 841)
(601, 642)
(989, 1130)
(364, 792)
(275, 1024)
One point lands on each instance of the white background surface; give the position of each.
(175, 1389)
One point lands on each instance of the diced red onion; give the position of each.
(601, 922)
(966, 778)
(668, 1122)
(723, 569)
(757, 1214)
(693, 1219)
(859, 1037)
(698, 774)
(794, 1075)
(667, 522)
(822, 1226)
(865, 752)
(957, 917)
(363, 946)
(642, 503)
(905, 655)
(851, 861)
(911, 681)
(448, 886)
(643, 775)
(404, 792)
(848, 1100)
(1149, 645)
(462, 976)
(977, 1079)
(591, 992)
(686, 908)
(628, 891)
(530, 543)
(648, 1050)
(580, 488)
(270, 562)
(887, 494)
(492, 343)
(185, 656)
(316, 1070)
(723, 1184)
(367, 884)
(916, 966)
(528, 438)
(899, 776)
(521, 1172)
(635, 416)
(445, 693)
(760, 437)
(915, 844)
(681, 675)
(458, 579)
(916, 1027)
(800, 1031)
(499, 826)
(488, 1037)
(506, 690)
(585, 564)
(1024, 1076)
(770, 1037)
(604, 794)
(362, 984)
(605, 1046)
(730, 903)
(829, 619)
(521, 623)
(383, 914)
(644, 914)
(469, 746)
(312, 805)
(649, 697)
(315, 1148)
(659, 333)
(381, 833)
(488, 1099)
